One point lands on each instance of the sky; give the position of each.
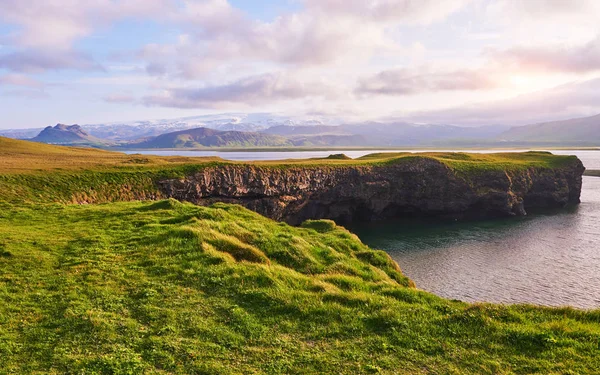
(461, 62)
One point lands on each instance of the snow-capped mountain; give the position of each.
(246, 122)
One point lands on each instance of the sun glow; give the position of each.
(534, 82)
(522, 81)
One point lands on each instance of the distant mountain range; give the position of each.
(230, 131)
(579, 131)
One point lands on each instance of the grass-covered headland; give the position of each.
(38, 172)
(163, 287)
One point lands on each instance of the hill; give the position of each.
(205, 137)
(67, 135)
(582, 131)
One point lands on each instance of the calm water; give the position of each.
(547, 259)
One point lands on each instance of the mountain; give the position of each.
(383, 134)
(244, 122)
(406, 134)
(330, 140)
(305, 130)
(67, 135)
(581, 131)
(20, 133)
(205, 137)
(264, 130)
(318, 135)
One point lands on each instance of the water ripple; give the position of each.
(550, 259)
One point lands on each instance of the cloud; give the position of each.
(572, 100)
(582, 58)
(404, 11)
(28, 94)
(34, 61)
(408, 82)
(529, 10)
(215, 33)
(20, 80)
(57, 24)
(45, 31)
(544, 21)
(118, 98)
(248, 91)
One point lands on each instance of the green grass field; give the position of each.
(171, 288)
(162, 287)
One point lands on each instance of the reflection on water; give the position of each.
(548, 259)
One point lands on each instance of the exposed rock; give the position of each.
(423, 187)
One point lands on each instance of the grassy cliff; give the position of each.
(89, 175)
(163, 287)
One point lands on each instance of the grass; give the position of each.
(595, 173)
(171, 288)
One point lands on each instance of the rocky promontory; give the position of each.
(407, 186)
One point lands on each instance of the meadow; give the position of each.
(171, 288)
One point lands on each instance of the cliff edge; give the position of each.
(416, 185)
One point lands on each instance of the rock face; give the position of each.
(421, 187)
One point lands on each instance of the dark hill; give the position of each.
(205, 137)
(67, 135)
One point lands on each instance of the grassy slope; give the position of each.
(166, 287)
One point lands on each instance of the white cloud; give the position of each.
(582, 58)
(544, 22)
(46, 30)
(19, 80)
(403, 11)
(217, 33)
(57, 24)
(118, 98)
(248, 91)
(35, 61)
(407, 82)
